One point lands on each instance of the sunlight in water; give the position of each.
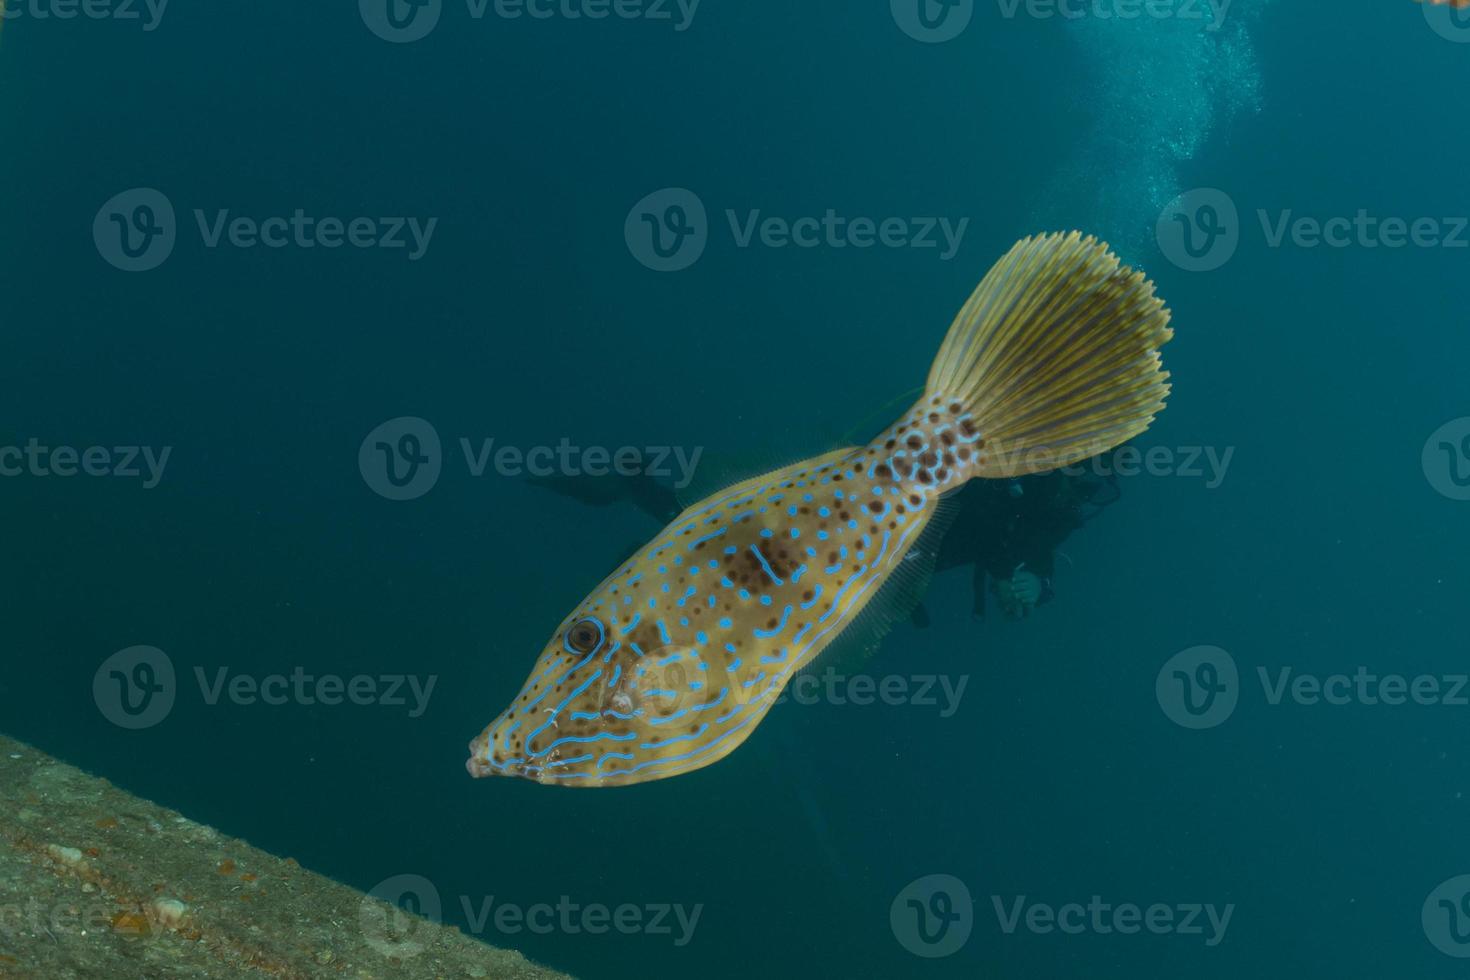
(1157, 89)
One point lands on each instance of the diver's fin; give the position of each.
(1055, 356)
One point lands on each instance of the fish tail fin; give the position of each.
(1054, 358)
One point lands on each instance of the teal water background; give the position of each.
(1332, 541)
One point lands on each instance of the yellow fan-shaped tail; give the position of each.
(1055, 357)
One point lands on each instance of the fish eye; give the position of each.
(585, 635)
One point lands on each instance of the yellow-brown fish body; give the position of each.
(676, 657)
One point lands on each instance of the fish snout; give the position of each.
(478, 764)
(486, 761)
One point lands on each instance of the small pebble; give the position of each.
(169, 911)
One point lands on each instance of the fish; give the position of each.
(676, 657)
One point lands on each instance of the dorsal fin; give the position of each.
(718, 471)
(878, 418)
(728, 483)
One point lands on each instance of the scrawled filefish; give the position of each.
(675, 658)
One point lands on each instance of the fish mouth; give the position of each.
(478, 764)
(481, 764)
(478, 767)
